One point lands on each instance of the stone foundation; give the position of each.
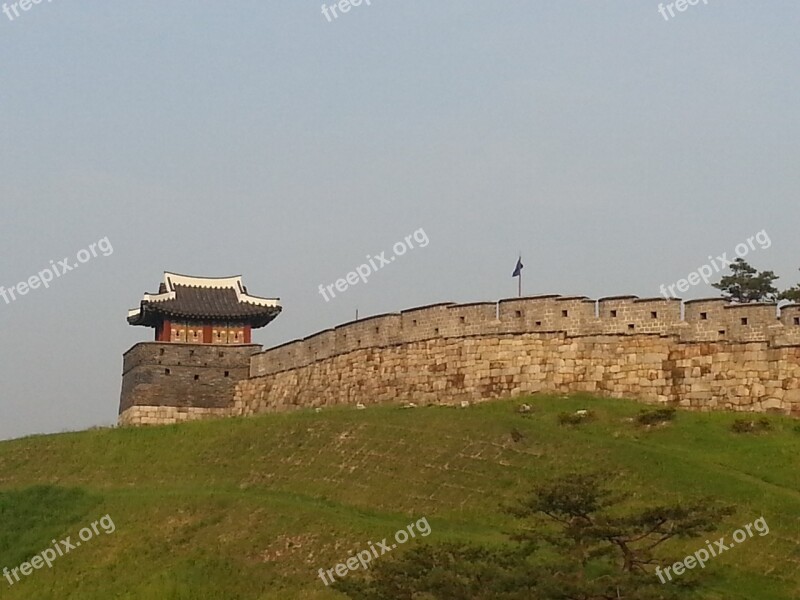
(164, 415)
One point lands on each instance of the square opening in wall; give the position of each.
(463, 319)
(564, 313)
(721, 332)
(653, 315)
(613, 314)
(227, 373)
(538, 323)
(519, 313)
(631, 326)
(797, 320)
(166, 371)
(744, 320)
(196, 377)
(704, 316)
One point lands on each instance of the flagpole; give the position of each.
(518, 273)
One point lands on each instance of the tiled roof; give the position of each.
(204, 299)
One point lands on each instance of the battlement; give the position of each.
(704, 320)
(173, 354)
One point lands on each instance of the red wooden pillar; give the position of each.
(207, 334)
(248, 334)
(164, 332)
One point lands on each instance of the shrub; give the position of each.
(576, 418)
(750, 426)
(656, 416)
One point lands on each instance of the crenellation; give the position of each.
(285, 357)
(620, 315)
(576, 315)
(659, 315)
(425, 322)
(321, 345)
(476, 318)
(372, 332)
(534, 313)
(706, 320)
(790, 315)
(789, 334)
(629, 315)
(752, 322)
(348, 337)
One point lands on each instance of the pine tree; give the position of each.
(745, 284)
(576, 540)
(792, 294)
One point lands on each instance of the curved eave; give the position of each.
(149, 316)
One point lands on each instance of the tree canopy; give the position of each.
(792, 294)
(746, 284)
(576, 540)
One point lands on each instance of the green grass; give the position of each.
(250, 509)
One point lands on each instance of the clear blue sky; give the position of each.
(615, 149)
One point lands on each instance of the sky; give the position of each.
(614, 148)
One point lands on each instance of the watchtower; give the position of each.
(203, 344)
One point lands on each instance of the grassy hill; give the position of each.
(252, 508)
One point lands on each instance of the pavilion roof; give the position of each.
(204, 299)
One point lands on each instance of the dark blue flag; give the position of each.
(518, 268)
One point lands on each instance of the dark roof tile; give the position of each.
(204, 303)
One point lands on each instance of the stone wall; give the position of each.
(705, 354)
(166, 382)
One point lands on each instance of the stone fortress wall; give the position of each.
(703, 354)
(171, 382)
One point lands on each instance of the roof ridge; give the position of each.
(220, 298)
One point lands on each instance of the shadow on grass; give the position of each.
(34, 516)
